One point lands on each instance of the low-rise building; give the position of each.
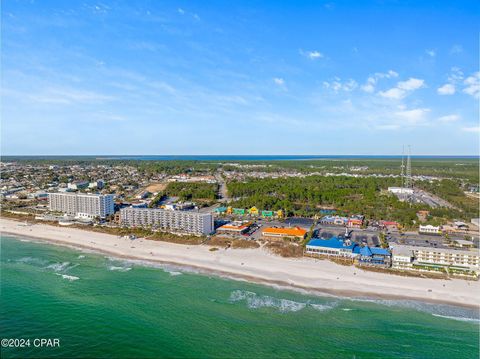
(175, 221)
(354, 223)
(402, 257)
(374, 256)
(98, 184)
(334, 220)
(429, 229)
(278, 233)
(335, 247)
(400, 190)
(78, 185)
(389, 225)
(235, 227)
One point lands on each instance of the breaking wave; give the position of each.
(255, 301)
(119, 269)
(71, 278)
(437, 310)
(32, 260)
(61, 267)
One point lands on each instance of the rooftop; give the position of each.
(296, 231)
(333, 242)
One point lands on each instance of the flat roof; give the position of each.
(333, 242)
(397, 248)
(296, 231)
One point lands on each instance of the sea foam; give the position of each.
(255, 301)
(71, 278)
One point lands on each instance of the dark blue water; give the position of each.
(229, 157)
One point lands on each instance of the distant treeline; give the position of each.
(460, 168)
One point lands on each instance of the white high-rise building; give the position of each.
(175, 221)
(82, 205)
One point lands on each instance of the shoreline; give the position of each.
(334, 280)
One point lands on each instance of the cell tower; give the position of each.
(408, 178)
(402, 167)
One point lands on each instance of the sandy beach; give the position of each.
(258, 265)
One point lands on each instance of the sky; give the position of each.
(239, 77)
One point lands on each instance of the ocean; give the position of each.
(103, 307)
(219, 158)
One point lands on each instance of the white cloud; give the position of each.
(449, 118)
(372, 80)
(402, 89)
(393, 93)
(337, 85)
(447, 89)
(312, 55)
(369, 85)
(181, 11)
(472, 85)
(455, 75)
(430, 53)
(456, 49)
(279, 81)
(474, 129)
(413, 117)
(411, 84)
(69, 96)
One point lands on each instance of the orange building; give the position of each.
(234, 227)
(294, 233)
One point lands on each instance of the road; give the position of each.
(222, 190)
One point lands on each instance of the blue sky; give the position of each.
(240, 77)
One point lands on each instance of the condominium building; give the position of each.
(431, 258)
(402, 257)
(81, 205)
(447, 257)
(176, 221)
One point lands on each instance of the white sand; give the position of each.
(259, 265)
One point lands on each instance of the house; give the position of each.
(291, 233)
(334, 247)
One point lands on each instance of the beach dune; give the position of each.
(259, 265)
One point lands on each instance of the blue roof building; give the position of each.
(335, 246)
(374, 256)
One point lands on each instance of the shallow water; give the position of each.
(100, 306)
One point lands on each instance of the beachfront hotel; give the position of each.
(430, 258)
(81, 205)
(177, 221)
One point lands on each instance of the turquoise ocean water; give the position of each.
(101, 307)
